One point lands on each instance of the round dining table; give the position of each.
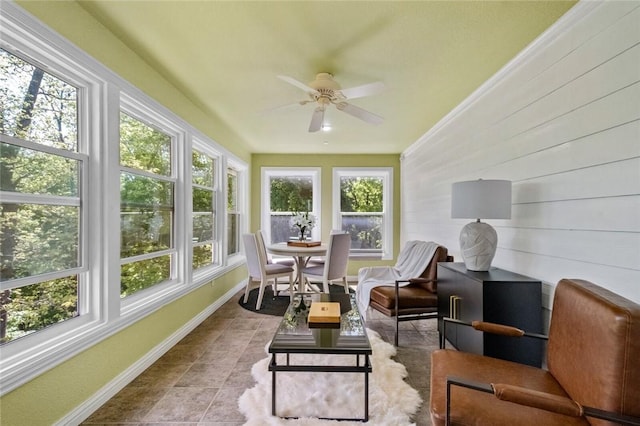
(301, 256)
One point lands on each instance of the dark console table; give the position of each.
(496, 296)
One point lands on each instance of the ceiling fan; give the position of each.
(324, 91)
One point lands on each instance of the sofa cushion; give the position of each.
(479, 408)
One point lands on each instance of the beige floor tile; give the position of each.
(198, 381)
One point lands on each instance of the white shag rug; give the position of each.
(392, 401)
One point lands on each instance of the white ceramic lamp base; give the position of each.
(478, 242)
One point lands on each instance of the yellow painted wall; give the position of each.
(60, 390)
(326, 163)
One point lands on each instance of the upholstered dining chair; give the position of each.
(335, 264)
(262, 272)
(319, 260)
(263, 247)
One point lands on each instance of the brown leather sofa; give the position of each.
(593, 369)
(417, 300)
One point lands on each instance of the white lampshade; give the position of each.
(480, 199)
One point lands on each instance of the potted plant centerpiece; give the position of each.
(303, 222)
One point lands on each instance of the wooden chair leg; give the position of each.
(263, 284)
(346, 285)
(246, 290)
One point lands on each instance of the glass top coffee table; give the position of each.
(295, 336)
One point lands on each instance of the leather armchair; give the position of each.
(418, 300)
(592, 375)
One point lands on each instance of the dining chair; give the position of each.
(263, 247)
(319, 260)
(261, 271)
(335, 265)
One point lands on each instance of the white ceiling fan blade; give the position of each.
(297, 83)
(364, 90)
(360, 113)
(285, 107)
(316, 119)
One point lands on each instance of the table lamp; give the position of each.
(480, 199)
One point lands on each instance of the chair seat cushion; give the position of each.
(410, 297)
(286, 262)
(470, 407)
(316, 270)
(275, 268)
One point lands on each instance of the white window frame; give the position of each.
(267, 173)
(386, 174)
(217, 190)
(242, 174)
(102, 93)
(146, 115)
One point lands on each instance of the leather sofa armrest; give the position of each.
(536, 399)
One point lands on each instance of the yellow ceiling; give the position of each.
(226, 56)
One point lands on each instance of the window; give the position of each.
(285, 192)
(233, 213)
(363, 208)
(146, 206)
(69, 279)
(41, 214)
(203, 182)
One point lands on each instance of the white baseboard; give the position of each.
(84, 410)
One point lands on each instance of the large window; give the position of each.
(363, 207)
(146, 206)
(285, 192)
(41, 213)
(204, 185)
(97, 181)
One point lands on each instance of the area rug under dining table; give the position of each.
(309, 395)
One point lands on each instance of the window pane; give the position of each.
(202, 200)
(139, 192)
(144, 148)
(37, 106)
(361, 194)
(136, 276)
(232, 192)
(281, 229)
(202, 256)
(202, 169)
(291, 194)
(203, 227)
(32, 172)
(365, 231)
(31, 308)
(144, 232)
(37, 239)
(233, 233)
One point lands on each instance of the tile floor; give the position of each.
(198, 381)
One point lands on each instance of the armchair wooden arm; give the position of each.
(489, 327)
(537, 399)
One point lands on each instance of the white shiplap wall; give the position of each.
(562, 122)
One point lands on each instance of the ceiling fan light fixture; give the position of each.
(325, 91)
